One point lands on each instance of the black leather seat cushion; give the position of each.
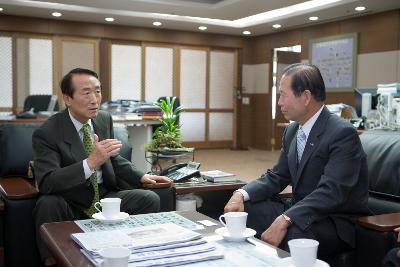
(383, 155)
(383, 150)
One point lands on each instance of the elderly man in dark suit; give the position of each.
(322, 158)
(77, 162)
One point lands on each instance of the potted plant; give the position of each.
(167, 138)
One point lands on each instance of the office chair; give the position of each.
(38, 103)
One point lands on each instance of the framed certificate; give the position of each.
(335, 56)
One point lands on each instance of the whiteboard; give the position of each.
(335, 57)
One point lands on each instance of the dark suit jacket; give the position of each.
(58, 156)
(331, 179)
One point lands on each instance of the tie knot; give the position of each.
(301, 135)
(85, 128)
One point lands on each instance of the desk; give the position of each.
(140, 132)
(66, 251)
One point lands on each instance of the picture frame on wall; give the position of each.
(336, 57)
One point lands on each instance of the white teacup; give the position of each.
(235, 222)
(303, 251)
(110, 207)
(115, 257)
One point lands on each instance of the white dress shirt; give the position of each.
(88, 172)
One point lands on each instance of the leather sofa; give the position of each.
(375, 236)
(19, 194)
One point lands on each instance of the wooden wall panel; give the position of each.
(317, 31)
(377, 33)
(261, 129)
(246, 122)
(23, 24)
(344, 97)
(85, 29)
(75, 28)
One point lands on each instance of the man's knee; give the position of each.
(50, 207)
(139, 201)
(153, 202)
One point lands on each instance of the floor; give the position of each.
(246, 164)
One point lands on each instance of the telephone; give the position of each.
(181, 171)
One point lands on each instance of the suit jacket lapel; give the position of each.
(101, 130)
(71, 137)
(313, 140)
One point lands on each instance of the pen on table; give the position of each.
(251, 241)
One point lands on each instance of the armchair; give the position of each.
(19, 193)
(375, 235)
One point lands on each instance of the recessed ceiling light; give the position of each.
(360, 8)
(246, 32)
(109, 19)
(1, 9)
(202, 28)
(56, 14)
(313, 18)
(157, 23)
(276, 26)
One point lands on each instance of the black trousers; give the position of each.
(262, 214)
(53, 208)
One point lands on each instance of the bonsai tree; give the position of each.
(168, 135)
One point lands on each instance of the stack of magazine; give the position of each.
(217, 176)
(152, 245)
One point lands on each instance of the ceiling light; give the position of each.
(276, 26)
(109, 19)
(1, 9)
(56, 14)
(246, 32)
(313, 18)
(202, 28)
(157, 23)
(360, 8)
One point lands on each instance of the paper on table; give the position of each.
(135, 238)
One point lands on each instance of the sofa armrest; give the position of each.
(17, 188)
(381, 223)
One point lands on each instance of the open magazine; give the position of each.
(149, 245)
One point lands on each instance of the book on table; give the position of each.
(217, 176)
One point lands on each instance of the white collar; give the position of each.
(78, 125)
(310, 123)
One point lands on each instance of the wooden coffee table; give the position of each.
(67, 253)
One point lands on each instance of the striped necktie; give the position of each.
(301, 143)
(87, 143)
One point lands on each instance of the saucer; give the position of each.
(289, 263)
(225, 234)
(99, 216)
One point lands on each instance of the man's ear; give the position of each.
(308, 96)
(67, 100)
